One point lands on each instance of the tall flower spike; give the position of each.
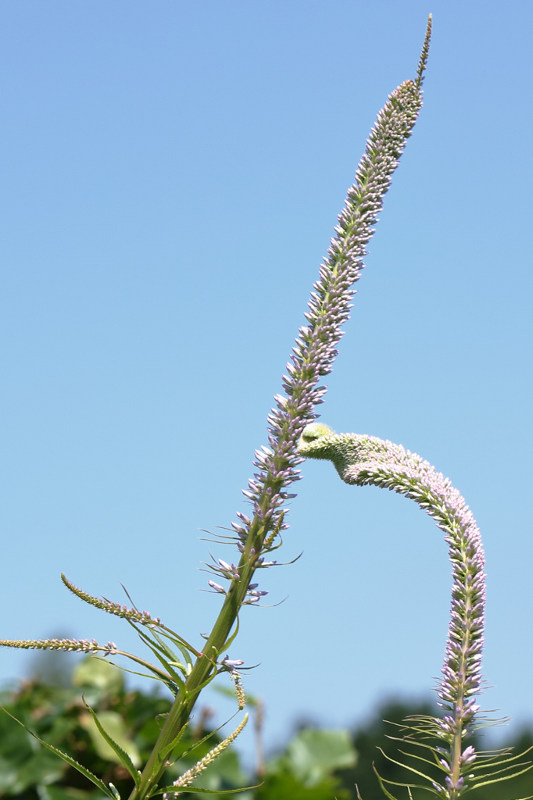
(312, 357)
(329, 307)
(366, 460)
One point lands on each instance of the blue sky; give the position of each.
(171, 176)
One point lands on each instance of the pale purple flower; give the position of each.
(329, 307)
(367, 460)
(216, 587)
(232, 663)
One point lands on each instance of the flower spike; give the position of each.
(367, 460)
(329, 307)
(185, 780)
(276, 465)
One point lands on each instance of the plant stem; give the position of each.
(201, 672)
(312, 358)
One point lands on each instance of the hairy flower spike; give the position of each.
(367, 460)
(329, 307)
(132, 614)
(188, 777)
(69, 645)
(258, 534)
(239, 689)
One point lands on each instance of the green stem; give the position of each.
(203, 669)
(456, 745)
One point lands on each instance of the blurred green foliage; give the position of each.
(316, 764)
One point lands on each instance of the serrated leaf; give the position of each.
(125, 758)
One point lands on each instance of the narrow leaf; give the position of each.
(382, 785)
(186, 789)
(124, 757)
(407, 767)
(68, 759)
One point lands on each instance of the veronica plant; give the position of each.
(182, 667)
(367, 460)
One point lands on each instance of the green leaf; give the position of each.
(161, 655)
(286, 786)
(125, 754)
(64, 793)
(407, 767)
(35, 769)
(385, 791)
(314, 754)
(211, 792)
(68, 759)
(98, 674)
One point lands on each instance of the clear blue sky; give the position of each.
(171, 174)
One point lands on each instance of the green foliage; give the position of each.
(314, 765)
(63, 719)
(313, 754)
(306, 768)
(28, 771)
(140, 746)
(100, 731)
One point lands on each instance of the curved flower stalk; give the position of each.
(366, 460)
